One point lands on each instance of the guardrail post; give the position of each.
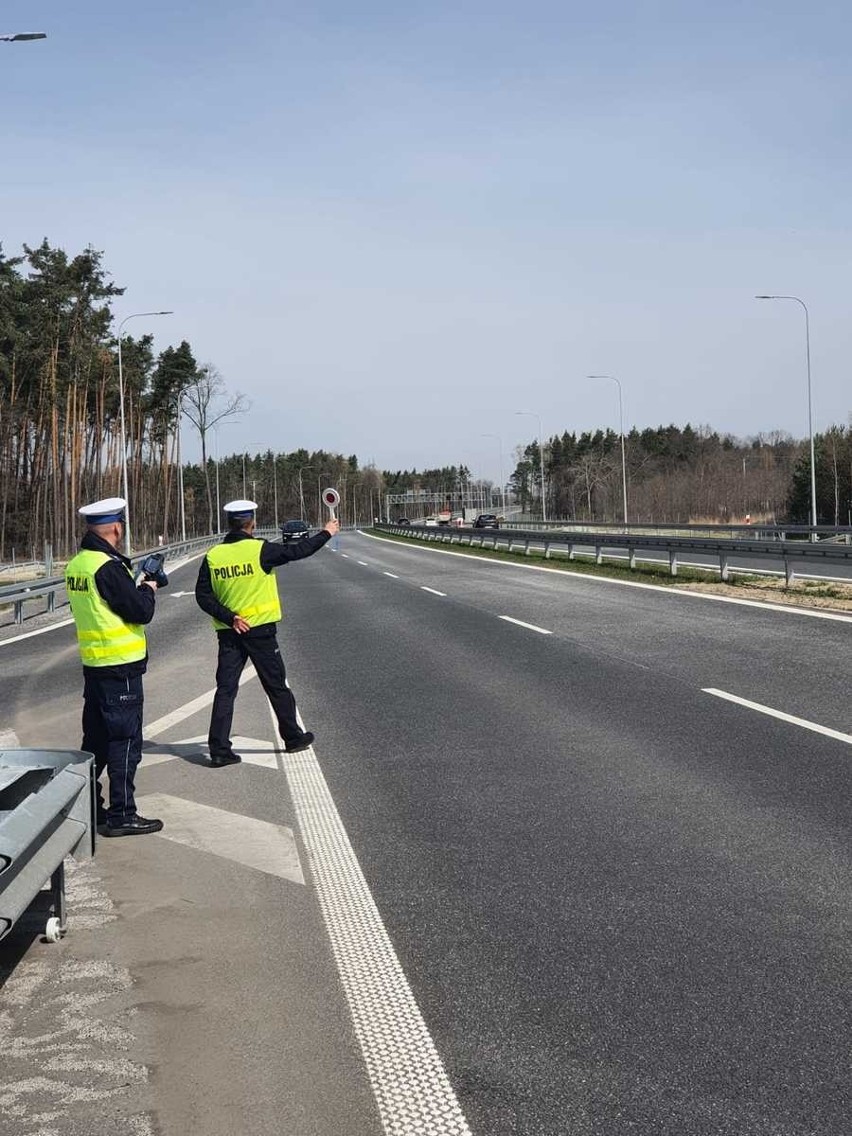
(673, 562)
(19, 611)
(723, 567)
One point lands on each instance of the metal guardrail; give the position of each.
(725, 547)
(47, 805)
(838, 534)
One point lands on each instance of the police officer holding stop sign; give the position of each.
(237, 587)
(110, 612)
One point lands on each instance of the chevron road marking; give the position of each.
(190, 708)
(269, 848)
(253, 751)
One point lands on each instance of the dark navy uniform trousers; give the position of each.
(261, 646)
(112, 731)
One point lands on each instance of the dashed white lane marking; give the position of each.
(345, 555)
(269, 848)
(190, 708)
(783, 609)
(434, 591)
(410, 1084)
(363, 563)
(529, 626)
(392, 575)
(803, 722)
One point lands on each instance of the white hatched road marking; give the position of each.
(434, 591)
(411, 1087)
(529, 626)
(803, 722)
(253, 751)
(269, 848)
(190, 708)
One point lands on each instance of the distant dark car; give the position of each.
(294, 530)
(486, 521)
(403, 521)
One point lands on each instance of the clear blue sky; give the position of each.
(392, 226)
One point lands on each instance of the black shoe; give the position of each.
(217, 760)
(296, 744)
(133, 826)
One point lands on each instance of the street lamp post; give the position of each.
(275, 488)
(301, 493)
(502, 480)
(218, 503)
(804, 307)
(613, 379)
(136, 315)
(530, 414)
(180, 471)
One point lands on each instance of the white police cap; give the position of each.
(240, 510)
(104, 512)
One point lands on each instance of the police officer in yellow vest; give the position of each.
(110, 612)
(237, 587)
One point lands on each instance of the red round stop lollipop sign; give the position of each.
(332, 499)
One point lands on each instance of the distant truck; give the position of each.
(445, 516)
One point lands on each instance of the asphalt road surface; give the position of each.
(569, 857)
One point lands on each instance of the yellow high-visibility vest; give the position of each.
(241, 585)
(104, 638)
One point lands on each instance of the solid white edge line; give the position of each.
(803, 722)
(41, 631)
(434, 591)
(783, 609)
(529, 626)
(409, 1082)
